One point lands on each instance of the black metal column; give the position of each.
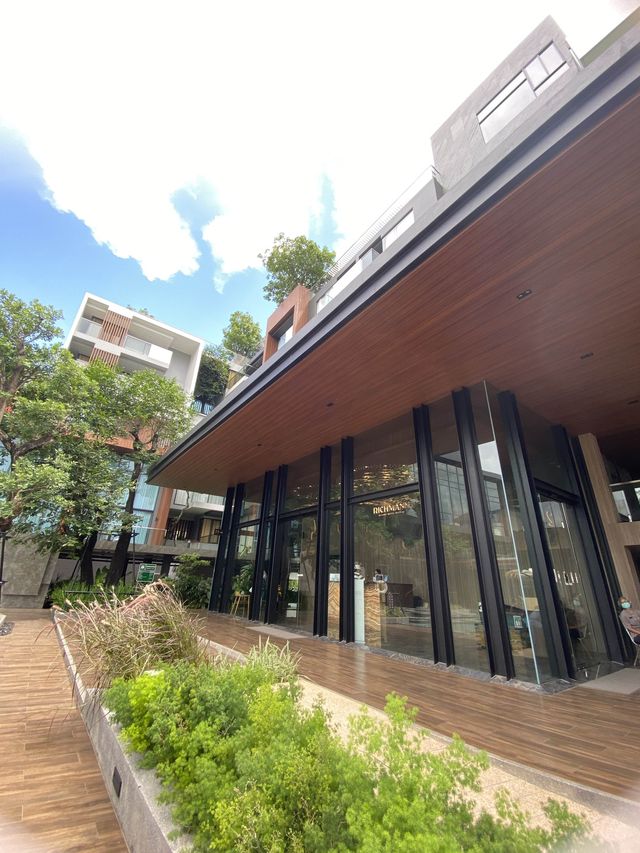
(608, 616)
(221, 556)
(443, 649)
(258, 569)
(553, 624)
(498, 644)
(231, 550)
(276, 550)
(347, 615)
(322, 550)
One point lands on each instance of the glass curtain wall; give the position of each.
(467, 622)
(297, 577)
(515, 565)
(558, 508)
(296, 562)
(391, 594)
(242, 570)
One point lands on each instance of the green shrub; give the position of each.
(190, 587)
(246, 768)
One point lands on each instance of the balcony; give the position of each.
(626, 497)
(195, 500)
(150, 351)
(89, 327)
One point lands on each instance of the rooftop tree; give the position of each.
(213, 375)
(292, 261)
(242, 335)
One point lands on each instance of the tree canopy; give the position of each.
(242, 335)
(213, 375)
(292, 261)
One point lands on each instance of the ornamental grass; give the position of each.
(113, 638)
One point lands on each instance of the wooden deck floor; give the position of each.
(52, 796)
(588, 736)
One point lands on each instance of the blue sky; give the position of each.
(150, 151)
(53, 256)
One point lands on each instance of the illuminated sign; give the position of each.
(392, 506)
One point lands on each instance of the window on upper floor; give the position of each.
(284, 333)
(525, 87)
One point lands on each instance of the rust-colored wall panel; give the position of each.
(115, 328)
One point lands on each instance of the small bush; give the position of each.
(246, 768)
(190, 587)
(123, 639)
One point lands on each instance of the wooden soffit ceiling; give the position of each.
(570, 234)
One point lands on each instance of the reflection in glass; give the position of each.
(333, 614)
(515, 566)
(385, 457)
(252, 500)
(391, 594)
(467, 624)
(264, 580)
(303, 479)
(242, 578)
(297, 575)
(574, 586)
(335, 483)
(542, 450)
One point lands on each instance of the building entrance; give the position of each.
(571, 573)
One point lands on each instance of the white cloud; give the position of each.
(122, 104)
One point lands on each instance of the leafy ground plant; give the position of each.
(247, 768)
(123, 639)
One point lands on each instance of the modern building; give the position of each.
(170, 521)
(439, 455)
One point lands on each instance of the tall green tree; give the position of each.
(27, 330)
(242, 335)
(153, 413)
(292, 261)
(213, 375)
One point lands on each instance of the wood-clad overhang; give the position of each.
(568, 231)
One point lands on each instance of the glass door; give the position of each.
(588, 647)
(297, 576)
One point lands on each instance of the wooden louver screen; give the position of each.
(110, 358)
(114, 328)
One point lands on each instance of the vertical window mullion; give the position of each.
(231, 550)
(276, 549)
(322, 553)
(258, 569)
(347, 618)
(493, 612)
(443, 648)
(221, 555)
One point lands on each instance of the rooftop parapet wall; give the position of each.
(458, 145)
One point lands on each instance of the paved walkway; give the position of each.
(52, 796)
(586, 736)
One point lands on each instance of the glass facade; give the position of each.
(378, 569)
(242, 570)
(295, 595)
(515, 565)
(385, 457)
(467, 621)
(302, 483)
(391, 592)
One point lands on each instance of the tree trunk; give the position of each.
(118, 565)
(86, 561)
